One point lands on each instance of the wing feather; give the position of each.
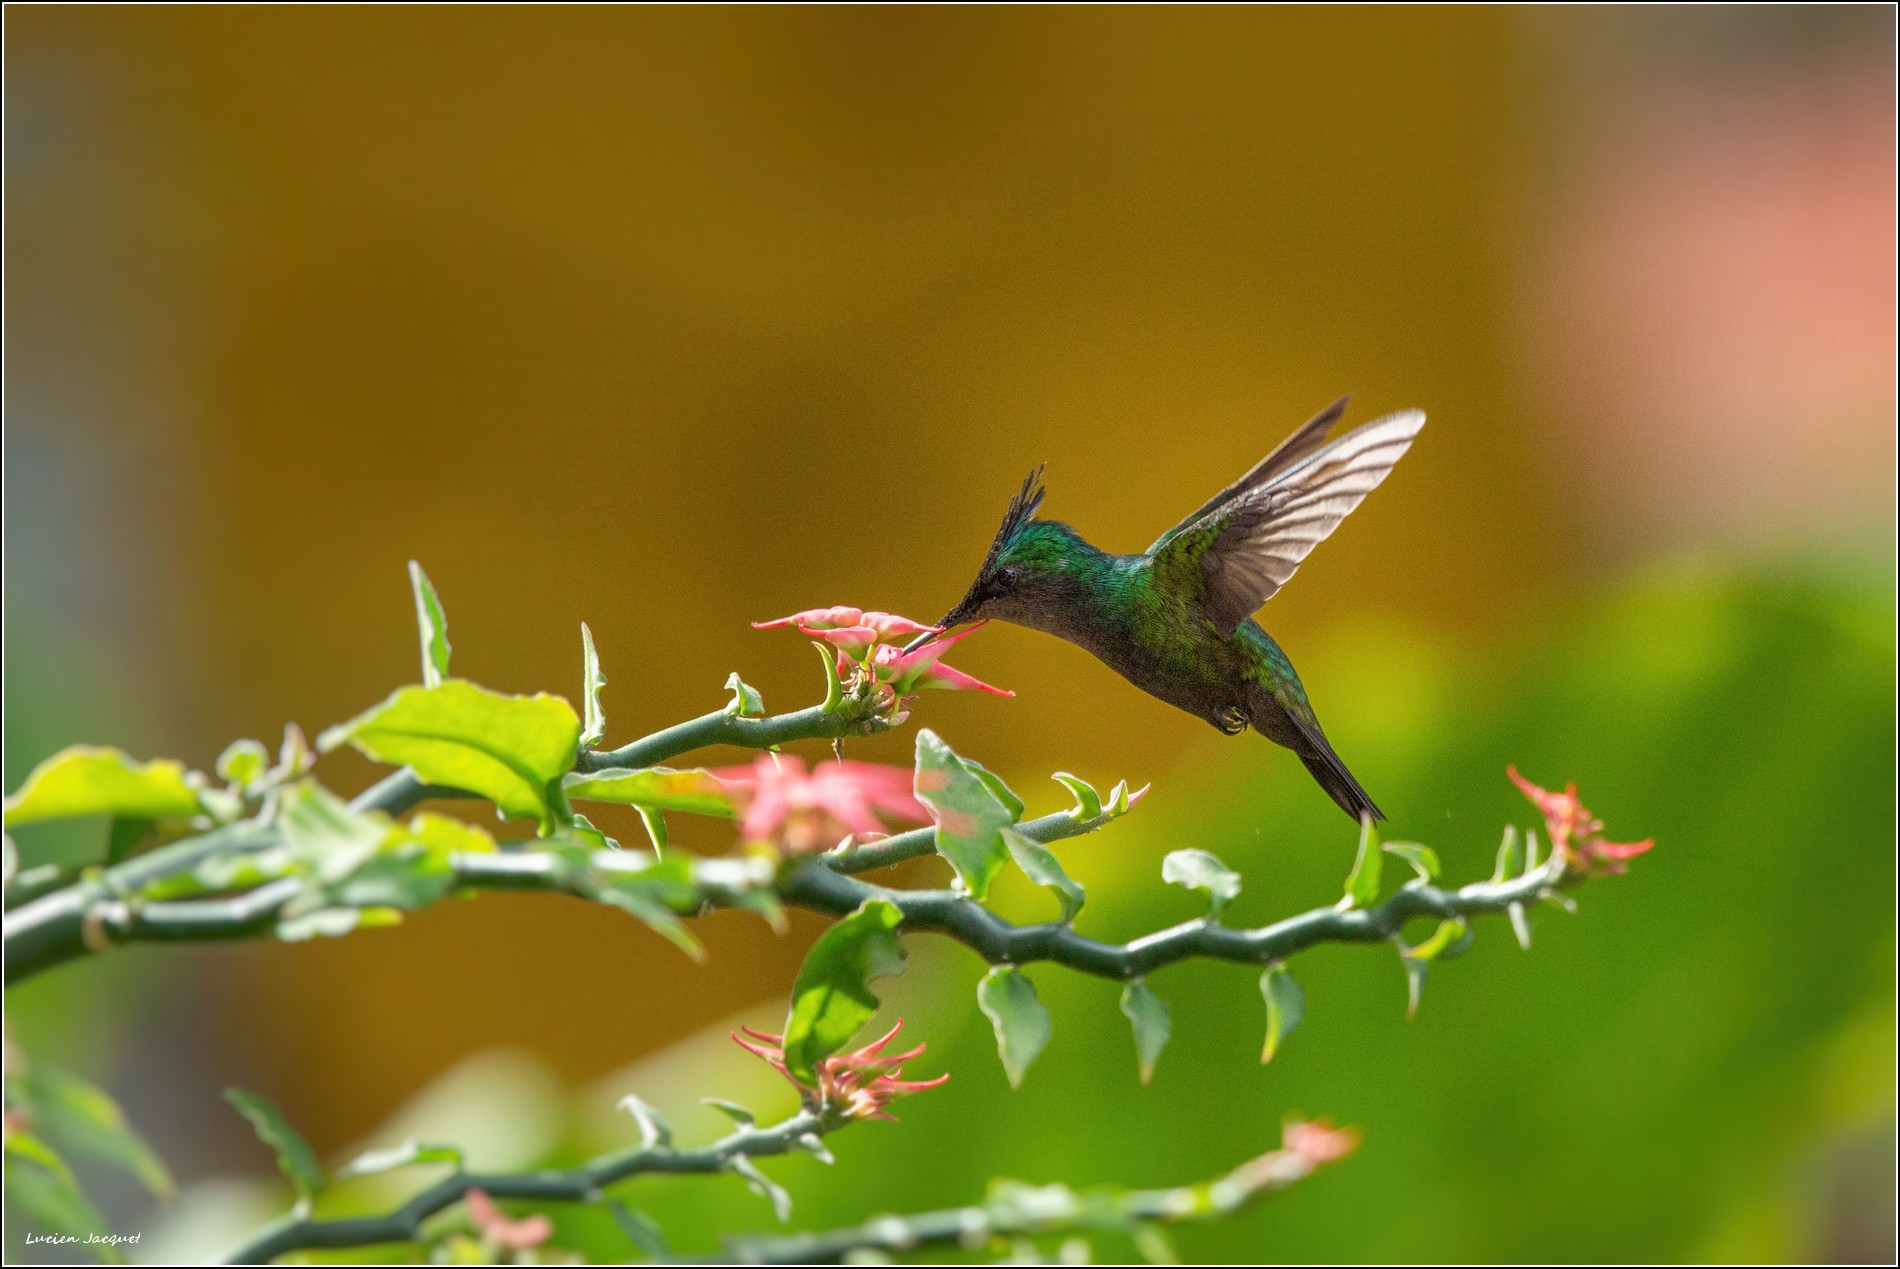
(1261, 536)
(1310, 436)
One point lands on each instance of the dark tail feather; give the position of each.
(1338, 783)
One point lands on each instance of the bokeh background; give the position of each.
(670, 320)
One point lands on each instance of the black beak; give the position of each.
(956, 616)
(919, 641)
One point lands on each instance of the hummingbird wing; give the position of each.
(1248, 546)
(1310, 436)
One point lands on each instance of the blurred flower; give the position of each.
(503, 1232)
(814, 811)
(1576, 833)
(871, 644)
(860, 1084)
(1318, 1141)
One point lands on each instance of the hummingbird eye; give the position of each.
(1007, 576)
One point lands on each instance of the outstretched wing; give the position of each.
(1249, 545)
(1311, 435)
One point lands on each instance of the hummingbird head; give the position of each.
(1025, 570)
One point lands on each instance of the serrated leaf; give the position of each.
(408, 1154)
(295, 1159)
(242, 762)
(1510, 856)
(100, 780)
(1020, 1019)
(1041, 866)
(432, 625)
(1147, 1013)
(85, 1120)
(969, 817)
(593, 717)
(733, 1111)
(42, 1188)
(1286, 1007)
(504, 748)
(641, 1230)
(1362, 883)
(831, 998)
(655, 1132)
(1088, 803)
(694, 791)
(746, 701)
(1199, 870)
(1424, 859)
(763, 1186)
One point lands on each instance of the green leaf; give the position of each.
(763, 1186)
(41, 1187)
(1438, 945)
(831, 998)
(746, 701)
(1362, 883)
(655, 1132)
(693, 791)
(324, 834)
(1041, 866)
(1088, 803)
(834, 689)
(583, 829)
(1414, 982)
(87, 1121)
(1286, 1006)
(1510, 856)
(334, 922)
(969, 816)
(655, 825)
(1424, 859)
(433, 626)
(1147, 1013)
(594, 718)
(443, 836)
(1000, 791)
(410, 1152)
(98, 780)
(126, 836)
(504, 748)
(1021, 1021)
(295, 1159)
(242, 762)
(412, 878)
(1199, 870)
(1520, 925)
(733, 1111)
(652, 894)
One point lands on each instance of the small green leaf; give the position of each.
(325, 835)
(42, 1188)
(411, 878)
(641, 1230)
(442, 836)
(1530, 850)
(295, 1159)
(1286, 1007)
(994, 783)
(334, 922)
(1199, 870)
(433, 627)
(831, 998)
(86, 1120)
(1041, 866)
(594, 719)
(733, 1111)
(694, 791)
(1520, 925)
(1448, 933)
(1414, 982)
(409, 1153)
(504, 748)
(98, 780)
(1088, 803)
(652, 894)
(655, 1132)
(1021, 1020)
(1510, 857)
(655, 824)
(582, 829)
(969, 816)
(1424, 859)
(746, 701)
(126, 836)
(1147, 1013)
(1362, 883)
(763, 1186)
(834, 687)
(242, 762)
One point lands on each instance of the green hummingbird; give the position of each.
(1176, 619)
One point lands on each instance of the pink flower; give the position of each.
(811, 812)
(510, 1235)
(1578, 834)
(1318, 1142)
(872, 643)
(857, 1085)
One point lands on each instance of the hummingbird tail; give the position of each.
(1338, 782)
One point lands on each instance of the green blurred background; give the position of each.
(675, 319)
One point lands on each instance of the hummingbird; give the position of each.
(1176, 620)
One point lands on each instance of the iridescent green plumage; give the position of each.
(1173, 620)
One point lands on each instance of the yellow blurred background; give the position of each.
(675, 319)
